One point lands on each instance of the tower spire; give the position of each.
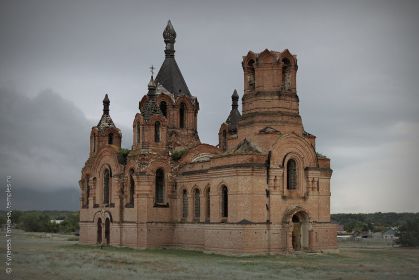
(106, 104)
(234, 117)
(169, 36)
(105, 120)
(151, 86)
(169, 75)
(235, 100)
(150, 108)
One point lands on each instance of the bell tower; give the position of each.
(270, 99)
(176, 103)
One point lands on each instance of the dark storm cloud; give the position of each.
(357, 78)
(44, 139)
(43, 145)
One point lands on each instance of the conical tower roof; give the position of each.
(169, 75)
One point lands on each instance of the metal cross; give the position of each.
(152, 70)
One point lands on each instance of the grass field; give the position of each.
(42, 256)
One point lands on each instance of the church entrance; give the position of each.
(296, 233)
(99, 231)
(107, 231)
(300, 231)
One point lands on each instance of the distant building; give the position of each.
(56, 221)
(377, 235)
(390, 234)
(262, 189)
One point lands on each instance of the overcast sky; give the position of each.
(358, 82)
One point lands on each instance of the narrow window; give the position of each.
(138, 133)
(182, 115)
(286, 74)
(110, 138)
(208, 214)
(224, 202)
(106, 182)
(131, 189)
(163, 108)
(157, 132)
(184, 204)
(107, 231)
(86, 203)
(291, 174)
(251, 74)
(94, 143)
(197, 205)
(99, 231)
(159, 186)
(224, 140)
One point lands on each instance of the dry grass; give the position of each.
(37, 256)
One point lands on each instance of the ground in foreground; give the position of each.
(45, 256)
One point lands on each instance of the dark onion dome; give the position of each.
(169, 75)
(169, 33)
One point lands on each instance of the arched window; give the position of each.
(131, 189)
(163, 108)
(224, 202)
(197, 205)
(106, 186)
(138, 133)
(157, 132)
(110, 138)
(286, 74)
(159, 186)
(208, 201)
(184, 204)
(291, 175)
(182, 115)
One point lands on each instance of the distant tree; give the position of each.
(70, 224)
(409, 233)
(373, 221)
(35, 221)
(16, 216)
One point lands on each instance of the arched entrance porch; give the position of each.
(298, 226)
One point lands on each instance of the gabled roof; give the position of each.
(246, 147)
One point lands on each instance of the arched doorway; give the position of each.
(107, 231)
(99, 231)
(300, 231)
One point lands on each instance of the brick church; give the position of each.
(262, 190)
